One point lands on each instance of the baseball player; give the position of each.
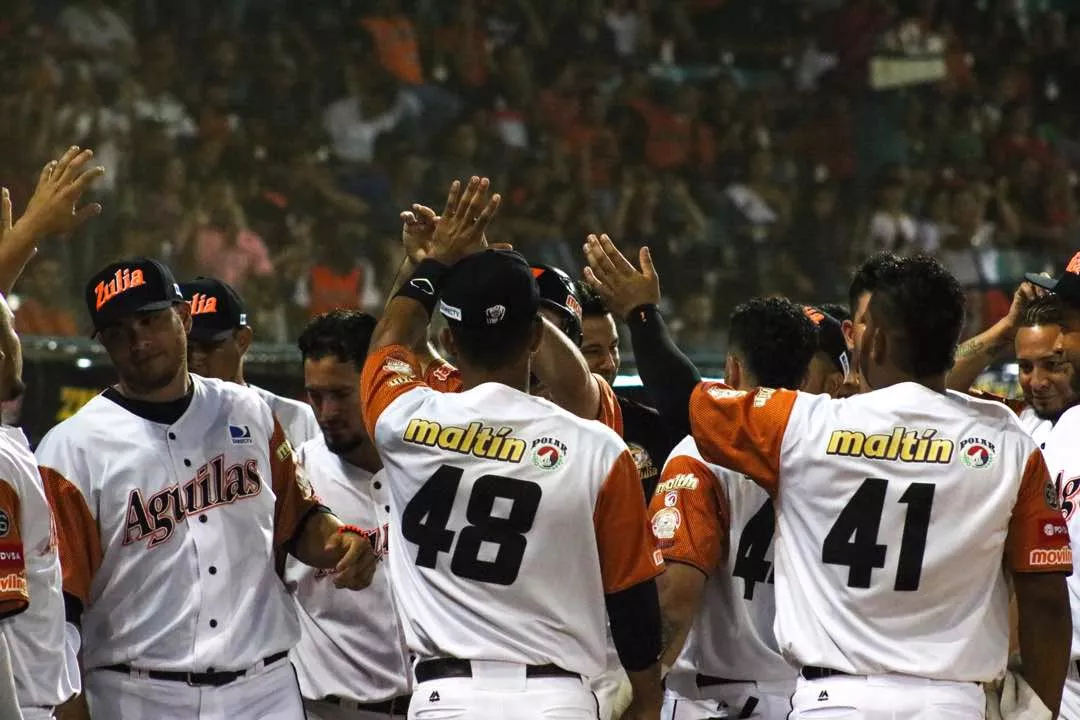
(1064, 461)
(351, 659)
(498, 497)
(895, 512)
(715, 528)
(643, 430)
(34, 677)
(220, 337)
(175, 498)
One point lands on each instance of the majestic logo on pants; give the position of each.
(214, 484)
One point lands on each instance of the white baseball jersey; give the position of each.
(169, 532)
(511, 518)
(722, 523)
(1035, 426)
(297, 418)
(351, 643)
(1063, 458)
(895, 512)
(30, 568)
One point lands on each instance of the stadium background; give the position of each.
(757, 147)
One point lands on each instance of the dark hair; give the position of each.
(775, 338)
(591, 304)
(344, 334)
(837, 310)
(489, 351)
(920, 305)
(866, 277)
(1045, 310)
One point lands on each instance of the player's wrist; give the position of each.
(353, 529)
(423, 285)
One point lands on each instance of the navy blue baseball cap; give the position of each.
(831, 339)
(128, 287)
(489, 291)
(216, 309)
(1067, 286)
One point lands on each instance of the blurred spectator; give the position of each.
(44, 310)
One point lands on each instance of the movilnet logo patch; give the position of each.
(423, 285)
(202, 304)
(240, 434)
(122, 281)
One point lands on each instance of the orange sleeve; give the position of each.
(443, 377)
(610, 411)
(742, 430)
(76, 534)
(690, 515)
(14, 595)
(628, 555)
(1038, 539)
(295, 498)
(388, 372)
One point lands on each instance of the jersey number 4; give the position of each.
(853, 539)
(754, 544)
(426, 516)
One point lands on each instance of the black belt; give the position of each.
(393, 706)
(452, 667)
(707, 680)
(210, 677)
(813, 672)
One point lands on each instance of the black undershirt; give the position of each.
(165, 413)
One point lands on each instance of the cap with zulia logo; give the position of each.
(489, 291)
(216, 309)
(1067, 287)
(831, 339)
(127, 287)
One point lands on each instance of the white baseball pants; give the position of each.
(1070, 698)
(36, 713)
(612, 691)
(677, 707)
(271, 693)
(501, 690)
(887, 697)
(317, 710)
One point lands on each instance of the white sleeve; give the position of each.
(9, 704)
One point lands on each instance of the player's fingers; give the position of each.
(488, 213)
(452, 199)
(408, 218)
(85, 213)
(425, 214)
(645, 258)
(61, 164)
(618, 260)
(5, 210)
(67, 173)
(600, 261)
(83, 182)
(476, 202)
(601, 289)
(46, 173)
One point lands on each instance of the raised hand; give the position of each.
(459, 231)
(619, 284)
(53, 208)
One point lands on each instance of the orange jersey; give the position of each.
(510, 519)
(896, 511)
(444, 377)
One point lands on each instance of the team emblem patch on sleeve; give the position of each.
(720, 393)
(398, 366)
(284, 451)
(665, 522)
(5, 524)
(1050, 494)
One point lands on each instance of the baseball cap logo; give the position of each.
(494, 314)
(815, 315)
(122, 281)
(202, 304)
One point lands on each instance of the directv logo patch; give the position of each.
(240, 434)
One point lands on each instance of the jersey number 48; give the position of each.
(427, 514)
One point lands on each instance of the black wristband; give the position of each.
(642, 313)
(423, 286)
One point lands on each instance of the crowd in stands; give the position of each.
(273, 143)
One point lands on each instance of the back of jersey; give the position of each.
(896, 510)
(510, 520)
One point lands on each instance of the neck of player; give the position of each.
(516, 375)
(364, 456)
(176, 389)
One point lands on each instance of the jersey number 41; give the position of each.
(424, 522)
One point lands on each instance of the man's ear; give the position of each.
(879, 346)
(733, 374)
(183, 311)
(849, 334)
(449, 344)
(537, 335)
(244, 337)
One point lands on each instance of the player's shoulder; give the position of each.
(97, 416)
(237, 400)
(15, 455)
(312, 450)
(277, 402)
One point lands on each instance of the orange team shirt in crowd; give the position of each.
(397, 47)
(444, 377)
(34, 318)
(459, 452)
(675, 141)
(331, 290)
(896, 510)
